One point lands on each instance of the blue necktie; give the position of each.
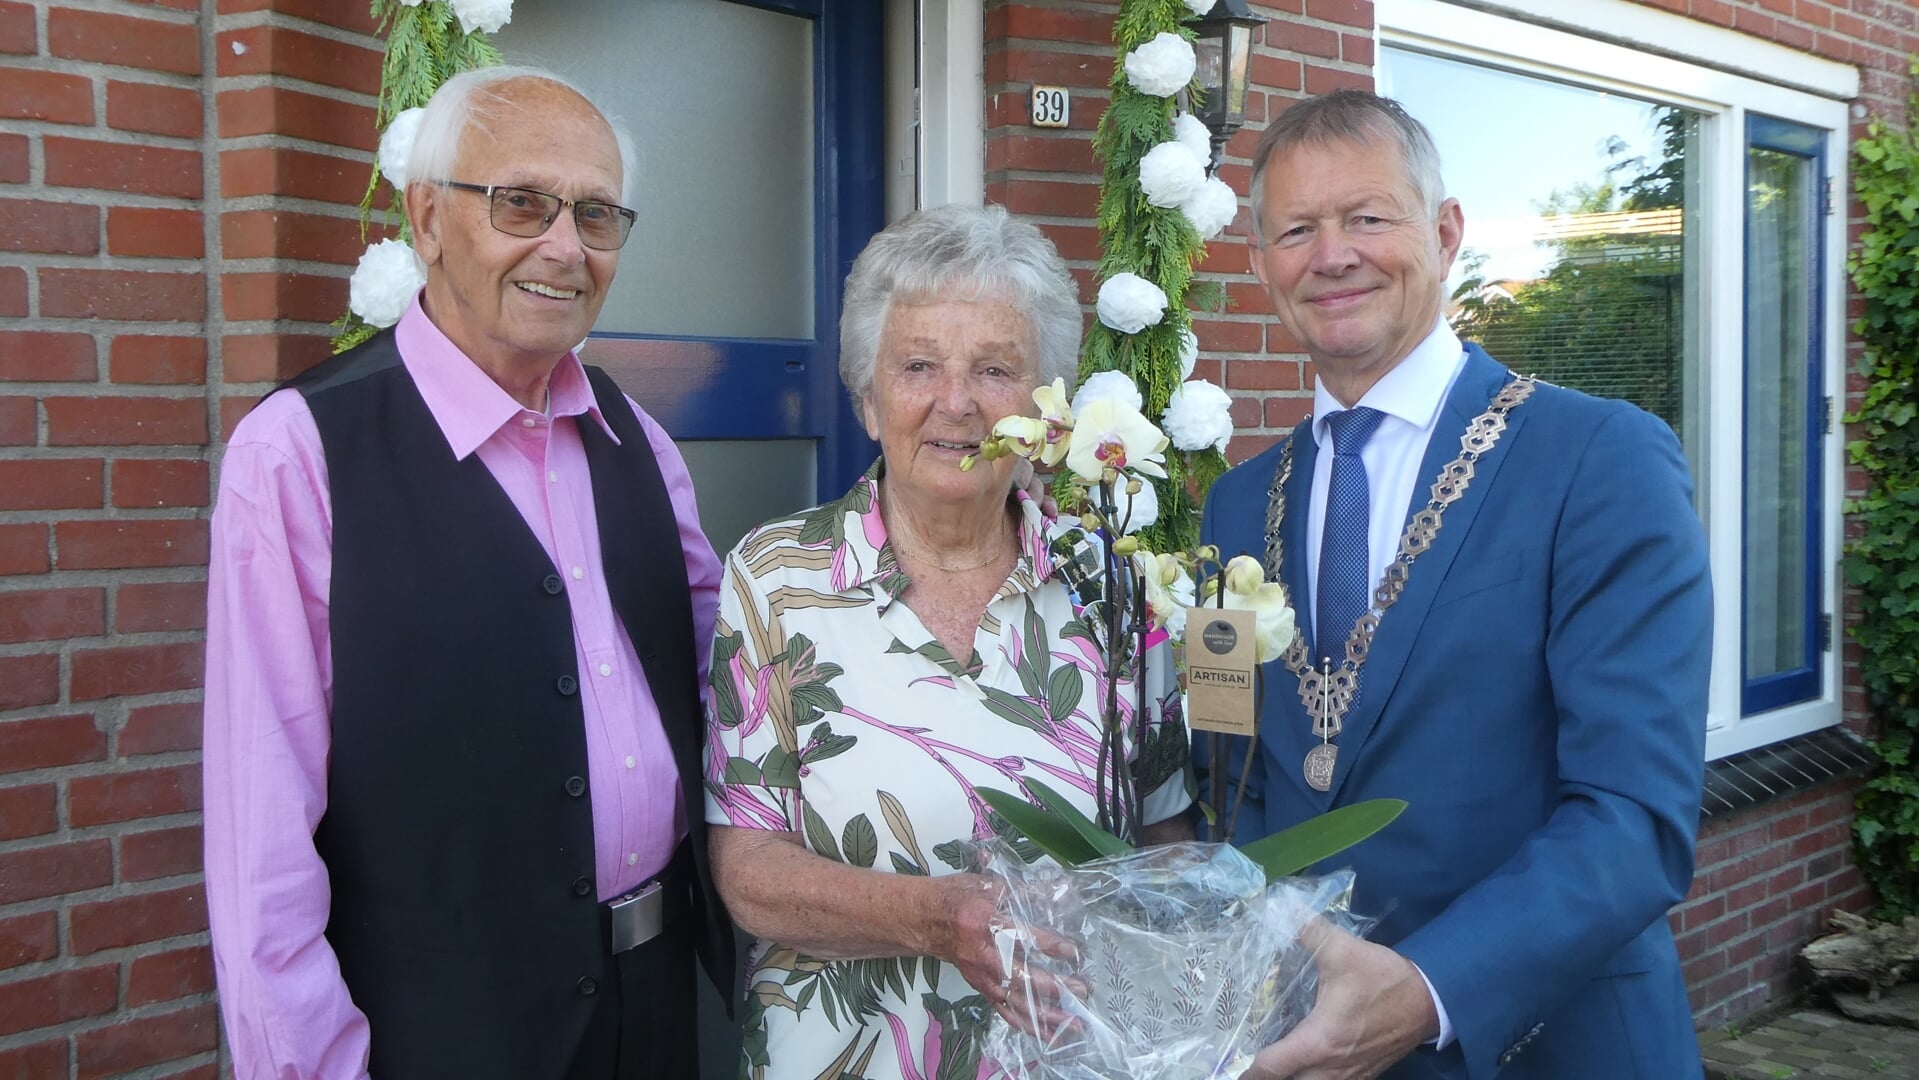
(1345, 564)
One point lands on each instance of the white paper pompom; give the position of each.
(1188, 353)
(1192, 134)
(1169, 174)
(383, 284)
(1129, 303)
(486, 16)
(1211, 208)
(1198, 415)
(411, 3)
(1107, 386)
(1199, 7)
(1161, 67)
(396, 146)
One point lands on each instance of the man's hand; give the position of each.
(1373, 1009)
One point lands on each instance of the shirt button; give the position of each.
(588, 986)
(578, 573)
(575, 786)
(582, 886)
(553, 585)
(567, 685)
(632, 858)
(528, 422)
(553, 478)
(605, 670)
(629, 761)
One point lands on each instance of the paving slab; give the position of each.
(1809, 1042)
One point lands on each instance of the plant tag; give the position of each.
(1220, 667)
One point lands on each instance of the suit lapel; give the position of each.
(1284, 727)
(1399, 627)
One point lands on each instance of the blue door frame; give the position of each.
(762, 388)
(1801, 682)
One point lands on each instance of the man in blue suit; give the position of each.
(1505, 619)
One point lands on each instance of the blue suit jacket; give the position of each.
(1538, 697)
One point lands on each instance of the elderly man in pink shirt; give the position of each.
(461, 609)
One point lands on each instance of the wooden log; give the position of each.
(1863, 953)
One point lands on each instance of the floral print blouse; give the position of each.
(837, 715)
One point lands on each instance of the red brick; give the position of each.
(121, 166)
(300, 297)
(1356, 49)
(1793, 36)
(136, 920)
(23, 550)
(1230, 337)
(53, 870)
(1048, 25)
(1275, 73)
(160, 729)
(43, 356)
(13, 294)
(162, 605)
(268, 50)
(134, 1044)
(1040, 153)
(1244, 447)
(126, 796)
(126, 421)
(56, 228)
(45, 95)
(136, 295)
(266, 234)
(1814, 13)
(156, 232)
(160, 110)
(135, 669)
(1082, 71)
(123, 41)
(20, 36)
(355, 17)
(1304, 39)
(170, 975)
(160, 853)
(121, 545)
(1752, 22)
(50, 614)
(57, 998)
(249, 358)
(272, 110)
(160, 483)
(50, 484)
(29, 680)
(1052, 197)
(28, 939)
(299, 173)
(157, 360)
(31, 810)
(51, 740)
(14, 166)
(1273, 374)
(1325, 80)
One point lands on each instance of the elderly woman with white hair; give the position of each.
(880, 657)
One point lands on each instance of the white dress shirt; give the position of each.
(1410, 395)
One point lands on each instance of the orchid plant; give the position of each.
(1132, 598)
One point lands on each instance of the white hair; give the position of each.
(959, 253)
(470, 100)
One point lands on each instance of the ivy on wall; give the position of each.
(1883, 558)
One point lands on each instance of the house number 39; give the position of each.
(1049, 106)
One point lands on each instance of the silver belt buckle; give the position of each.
(638, 916)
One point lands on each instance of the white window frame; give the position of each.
(1592, 43)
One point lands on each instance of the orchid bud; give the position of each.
(1132, 485)
(1125, 546)
(1244, 575)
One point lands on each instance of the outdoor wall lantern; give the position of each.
(1224, 47)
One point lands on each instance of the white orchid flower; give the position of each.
(1109, 438)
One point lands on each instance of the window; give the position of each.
(1655, 230)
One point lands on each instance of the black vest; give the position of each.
(458, 833)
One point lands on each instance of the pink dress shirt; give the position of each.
(269, 687)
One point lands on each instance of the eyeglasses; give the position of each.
(518, 211)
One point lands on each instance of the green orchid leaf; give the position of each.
(1101, 840)
(1291, 850)
(1042, 827)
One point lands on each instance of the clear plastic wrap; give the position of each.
(1188, 962)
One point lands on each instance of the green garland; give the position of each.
(1883, 560)
(1160, 245)
(425, 47)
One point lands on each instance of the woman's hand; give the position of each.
(1026, 991)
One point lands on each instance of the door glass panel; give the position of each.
(741, 483)
(1581, 261)
(719, 99)
(1779, 302)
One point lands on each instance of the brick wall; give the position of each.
(1768, 877)
(174, 222)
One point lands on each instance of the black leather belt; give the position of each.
(640, 916)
